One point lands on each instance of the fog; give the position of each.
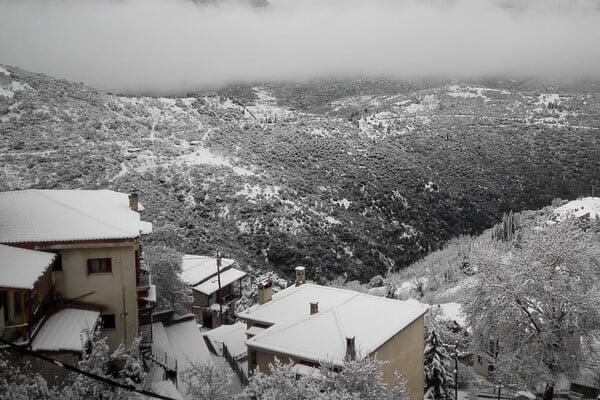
(170, 46)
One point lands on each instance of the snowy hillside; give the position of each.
(355, 177)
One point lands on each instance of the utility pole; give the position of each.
(456, 370)
(499, 388)
(219, 297)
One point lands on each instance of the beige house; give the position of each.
(306, 324)
(216, 287)
(93, 238)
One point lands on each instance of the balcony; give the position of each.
(15, 332)
(144, 280)
(231, 298)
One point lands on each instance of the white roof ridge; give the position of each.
(338, 323)
(282, 294)
(341, 327)
(279, 326)
(78, 211)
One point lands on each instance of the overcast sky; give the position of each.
(176, 45)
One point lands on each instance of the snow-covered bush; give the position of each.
(207, 382)
(356, 380)
(16, 384)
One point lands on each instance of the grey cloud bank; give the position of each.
(173, 45)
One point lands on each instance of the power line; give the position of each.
(69, 367)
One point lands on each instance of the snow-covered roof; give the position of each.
(305, 370)
(233, 336)
(67, 330)
(21, 268)
(182, 341)
(452, 312)
(322, 336)
(67, 215)
(167, 388)
(255, 330)
(578, 208)
(196, 269)
(151, 296)
(292, 303)
(212, 285)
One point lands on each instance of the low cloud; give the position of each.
(170, 46)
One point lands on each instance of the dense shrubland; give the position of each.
(330, 195)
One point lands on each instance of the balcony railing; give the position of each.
(231, 297)
(15, 332)
(41, 310)
(144, 280)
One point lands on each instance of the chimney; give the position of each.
(133, 201)
(350, 348)
(314, 307)
(265, 291)
(300, 278)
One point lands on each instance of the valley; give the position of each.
(348, 178)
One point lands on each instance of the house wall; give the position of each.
(262, 359)
(404, 354)
(200, 299)
(482, 364)
(115, 292)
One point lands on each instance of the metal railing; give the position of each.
(230, 298)
(161, 357)
(235, 366)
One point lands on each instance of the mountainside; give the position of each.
(355, 177)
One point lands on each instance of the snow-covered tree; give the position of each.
(165, 266)
(207, 382)
(356, 380)
(539, 300)
(282, 382)
(438, 369)
(121, 366)
(19, 385)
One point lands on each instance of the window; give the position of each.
(108, 321)
(57, 265)
(99, 265)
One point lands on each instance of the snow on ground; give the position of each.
(427, 103)
(254, 191)
(345, 203)
(9, 91)
(544, 100)
(579, 208)
(431, 186)
(268, 113)
(353, 101)
(321, 132)
(166, 388)
(452, 312)
(167, 100)
(469, 92)
(264, 96)
(4, 71)
(203, 156)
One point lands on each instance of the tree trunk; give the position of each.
(549, 392)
